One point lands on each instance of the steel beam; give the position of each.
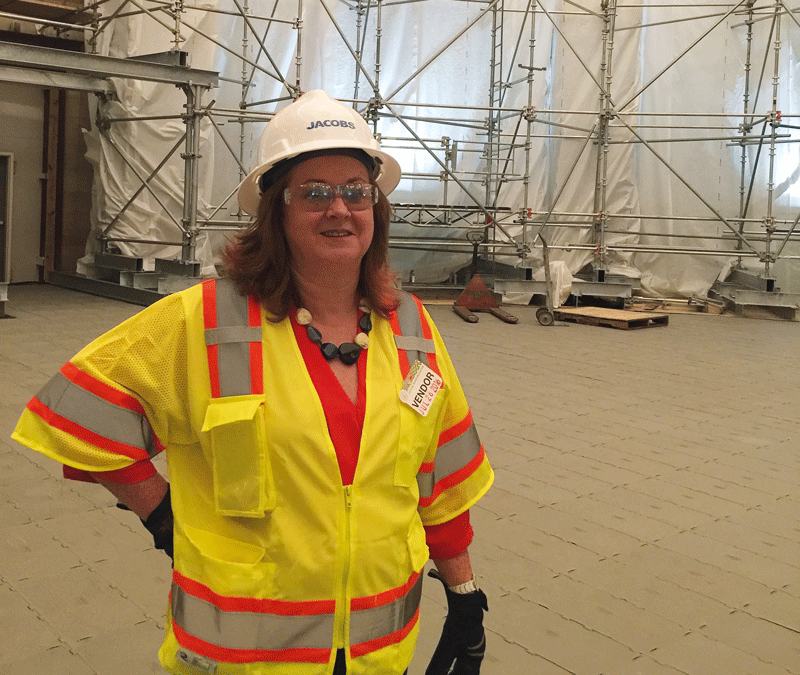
(58, 80)
(180, 268)
(105, 289)
(91, 65)
(118, 262)
(750, 280)
(600, 289)
(749, 296)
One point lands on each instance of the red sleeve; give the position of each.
(134, 473)
(449, 539)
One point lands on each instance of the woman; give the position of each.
(317, 438)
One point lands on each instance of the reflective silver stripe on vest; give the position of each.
(118, 424)
(450, 457)
(410, 343)
(249, 630)
(411, 327)
(232, 336)
(378, 622)
(228, 334)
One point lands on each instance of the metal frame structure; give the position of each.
(6, 225)
(90, 72)
(442, 226)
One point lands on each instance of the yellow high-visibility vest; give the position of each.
(277, 564)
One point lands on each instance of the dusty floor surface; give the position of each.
(645, 518)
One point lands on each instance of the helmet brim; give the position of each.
(387, 178)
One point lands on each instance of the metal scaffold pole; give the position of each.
(494, 121)
(774, 122)
(746, 126)
(529, 115)
(191, 157)
(609, 9)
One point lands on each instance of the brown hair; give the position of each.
(258, 261)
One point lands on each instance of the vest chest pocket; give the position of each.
(243, 482)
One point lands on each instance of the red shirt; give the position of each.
(345, 424)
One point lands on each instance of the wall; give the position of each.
(77, 181)
(21, 118)
(22, 123)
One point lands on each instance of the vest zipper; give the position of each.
(343, 603)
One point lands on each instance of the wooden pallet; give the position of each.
(613, 318)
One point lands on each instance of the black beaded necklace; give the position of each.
(347, 352)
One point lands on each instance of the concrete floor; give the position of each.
(645, 517)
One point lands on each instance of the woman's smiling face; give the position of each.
(336, 235)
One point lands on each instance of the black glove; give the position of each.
(463, 640)
(159, 524)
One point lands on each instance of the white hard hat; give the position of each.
(312, 123)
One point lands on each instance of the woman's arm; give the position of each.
(456, 570)
(142, 497)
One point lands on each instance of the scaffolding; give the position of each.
(473, 177)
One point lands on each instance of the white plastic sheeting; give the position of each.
(560, 283)
(128, 152)
(708, 79)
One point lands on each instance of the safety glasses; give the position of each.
(319, 196)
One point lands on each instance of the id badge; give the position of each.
(420, 388)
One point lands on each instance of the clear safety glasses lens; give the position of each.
(319, 196)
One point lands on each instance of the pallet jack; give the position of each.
(476, 297)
